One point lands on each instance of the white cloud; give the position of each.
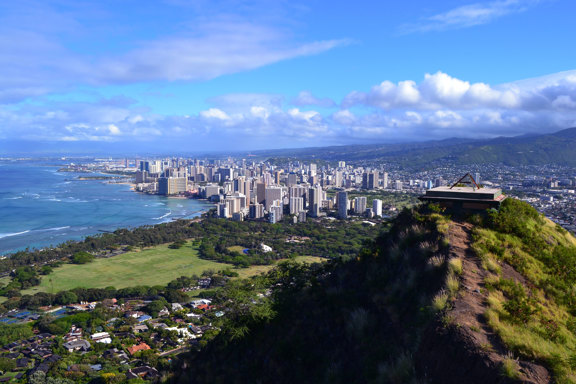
(436, 91)
(38, 53)
(439, 106)
(470, 15)
(215, 113)
(114, 130)
(305, 98)
(213, 50)
(443, 106)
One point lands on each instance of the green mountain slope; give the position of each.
(429, 301)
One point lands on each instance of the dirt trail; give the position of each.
(468, 309)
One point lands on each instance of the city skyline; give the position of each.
(247, 75)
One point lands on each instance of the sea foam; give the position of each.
(3, 235)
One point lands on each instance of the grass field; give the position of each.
(3, 282)
(236, 248)
(153, 266)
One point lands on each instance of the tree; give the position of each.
(66, 297)
(37, 377)
(177, 244)
(6, 364)
(156, 306)
(82, 258)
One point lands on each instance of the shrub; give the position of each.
(177, 244)
(455, 266)
(452, 284)
(509, 368)
(82, 258)
(440, 301)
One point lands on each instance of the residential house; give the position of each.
(144, 318)
(144, 372)
(77, 345)
(102, 337)
(115, 353)
(137, 348)
(139, 328)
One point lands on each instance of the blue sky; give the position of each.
(192, 76)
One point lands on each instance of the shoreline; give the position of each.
(193, 213)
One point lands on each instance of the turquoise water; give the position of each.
(40, 207)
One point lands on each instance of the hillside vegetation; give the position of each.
(432, 300)
(534, 313)
(346, 321)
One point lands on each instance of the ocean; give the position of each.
(41, 207)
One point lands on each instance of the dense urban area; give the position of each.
(245, 189)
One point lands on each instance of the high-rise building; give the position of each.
(360, 205)
(268, 180)
(272, 194)
(338, 179)
(292, 179)
(256, 211)
(172, 185)
(277, 177)
(239, 184)
(276, 211)
(314, 206)
(370, 180)
(153, 166)
(296, 205)
(342, 205)
(226, 174)
(399, 185)
(377, 207)
(211, 190)
(312, 169)
(247, 192)
(385, 180)
(223, 211)
(141, 176)
(260, 192)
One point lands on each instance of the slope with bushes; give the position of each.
(431, 300)
(531, 286)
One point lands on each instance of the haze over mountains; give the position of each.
(554, 148)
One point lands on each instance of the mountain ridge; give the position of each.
(549, 148)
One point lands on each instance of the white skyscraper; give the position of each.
(377, 207)
(312, 169)
(338, 179)
(276, 210)
(360, 205)
(296, 205)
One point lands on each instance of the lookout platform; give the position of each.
(460, 197)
